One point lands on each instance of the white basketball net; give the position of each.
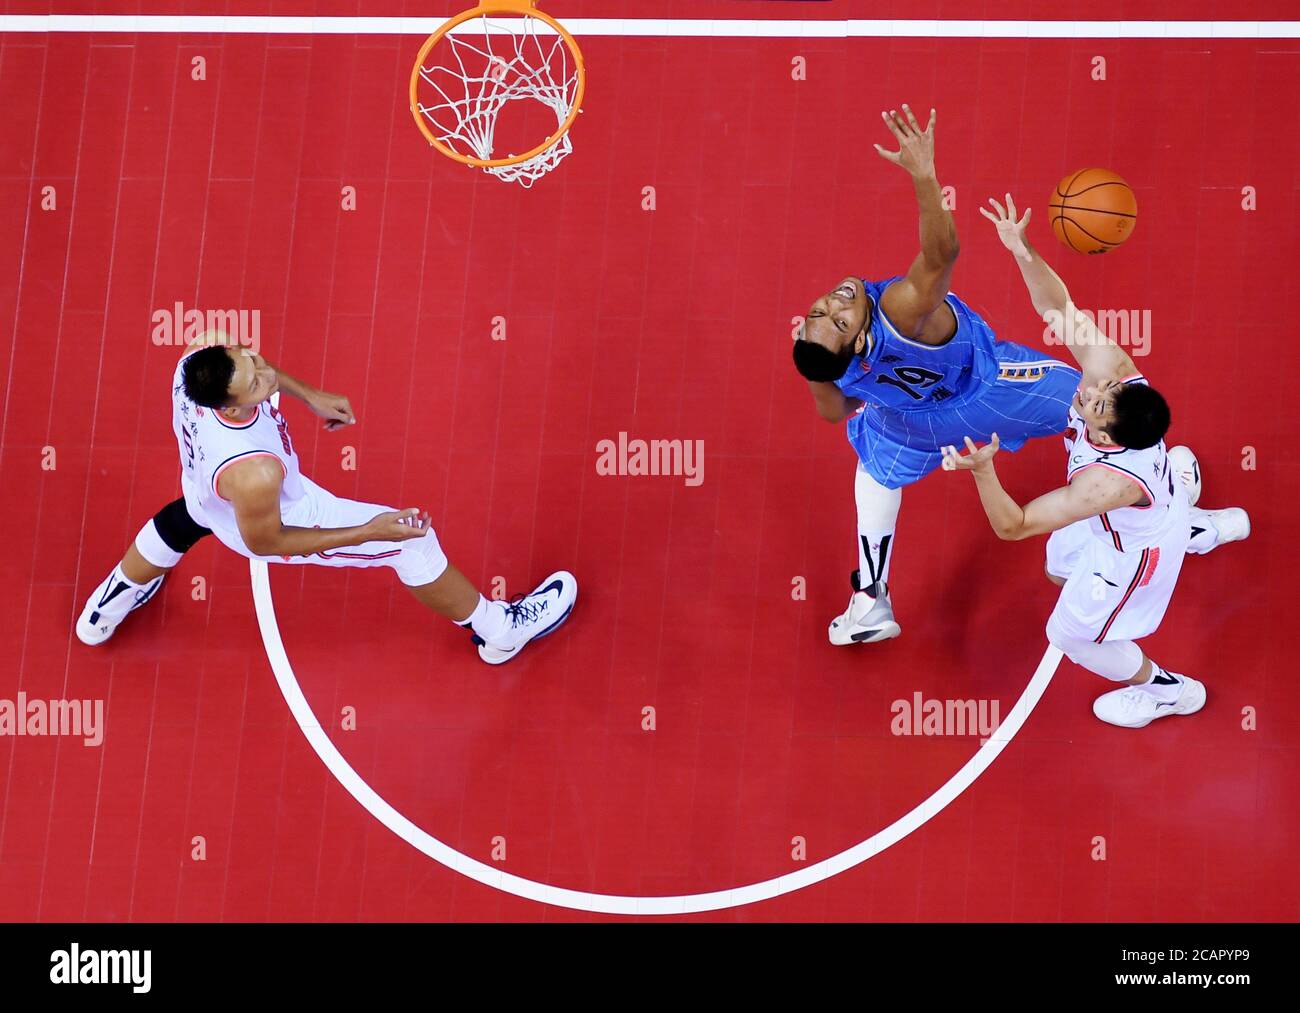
(498, 60)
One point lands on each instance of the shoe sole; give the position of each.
(1196, 471)
(885, 631)
(533, 639)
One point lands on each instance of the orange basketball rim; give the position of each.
(467, 94)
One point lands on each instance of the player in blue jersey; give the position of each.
(915, 369)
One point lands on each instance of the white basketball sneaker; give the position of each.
(1134, 707)
(110, 603)
(1212, 528)
(532, 616)
(869, 618)
(1188, 468)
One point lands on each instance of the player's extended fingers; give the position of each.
(1024, 222)
(970, 445)
(995, 443)
(893, 126)
(911, 118)
(934, 118)
(1011, 208)
(888, 156)
(1002, 212)
(989, 215)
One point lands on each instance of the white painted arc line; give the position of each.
(679, 27)
(610, 903)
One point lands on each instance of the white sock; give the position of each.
(118, 595)
(1164, 686)
(877, 520)
(488, 620)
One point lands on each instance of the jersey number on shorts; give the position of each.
(905, 378)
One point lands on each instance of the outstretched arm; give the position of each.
(910, 302)
(1092, 492)
(1098, 357)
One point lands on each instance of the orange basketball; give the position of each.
(1093, 211)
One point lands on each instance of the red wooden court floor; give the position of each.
(670, 324)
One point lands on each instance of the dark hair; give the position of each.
(818, 363)
(206, 376)
(1141, 417)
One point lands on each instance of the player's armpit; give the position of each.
(1091, 493)
(253, 488)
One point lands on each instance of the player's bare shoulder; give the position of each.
(1101, 489)
(253, 478)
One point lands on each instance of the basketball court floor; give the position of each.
(345, 756)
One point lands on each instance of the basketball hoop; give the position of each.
(482, 60)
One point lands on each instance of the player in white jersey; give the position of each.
(240, 481)
(1121, 524)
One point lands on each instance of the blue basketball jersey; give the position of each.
(899, 374)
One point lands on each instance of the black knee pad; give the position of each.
(177, 528)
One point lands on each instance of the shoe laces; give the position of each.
(524, 609)
(1134, 698)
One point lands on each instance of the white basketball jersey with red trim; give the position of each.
(1127, 528)
(208, 444)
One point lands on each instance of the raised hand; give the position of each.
(335, 409)
(1010, 231)
(978, 459)
(915, 146)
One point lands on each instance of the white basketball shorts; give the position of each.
(417, 561)
(1113, 595)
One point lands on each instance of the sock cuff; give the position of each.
(468, 621)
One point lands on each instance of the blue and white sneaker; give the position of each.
(110, 603)
(532, 616)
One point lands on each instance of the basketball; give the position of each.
(1093, 211)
